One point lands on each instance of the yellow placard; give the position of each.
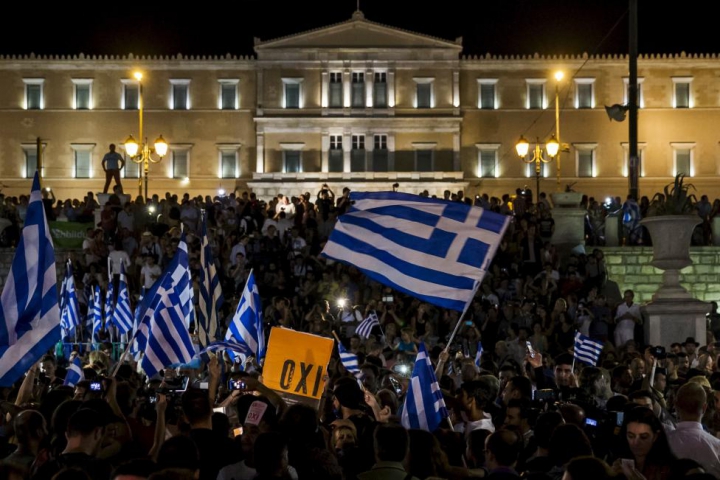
(296, 362)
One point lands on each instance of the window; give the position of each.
(228, 156)
(486, 93)
(380, 90)
(229, 94)
(357, 154)
(584, 94)
(424, 161)
(358, 90)
(292, 157)
(641, 156)
(180, 94)
(487, 159)
(292, 92)
(82, 94)
(180, 163)
(336, 90)
(585, 158)
(34, 93)
(683, 153)
(424, 92)
(380, 154)
(626, 96)
(335, 162)
(682, 92)
(131, 95)
(83, 160)
(30, 153)
(131, 169)
(535, 93)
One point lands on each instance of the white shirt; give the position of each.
(150, 274)
(117, 258)
(689, 440)
(468, 426)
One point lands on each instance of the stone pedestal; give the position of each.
(673, 314)
(569, 222)
(716, 231)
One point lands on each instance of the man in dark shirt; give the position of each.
(84, 435)
(215, 450)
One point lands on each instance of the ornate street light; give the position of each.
(551, 148)
(143, 153)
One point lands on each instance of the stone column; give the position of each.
(260, 149)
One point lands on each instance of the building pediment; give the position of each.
(355, 34)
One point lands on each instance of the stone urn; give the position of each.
(671, 236)
(673, 313)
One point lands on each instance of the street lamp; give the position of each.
(143, 154)
(552, 148)
(561, 147)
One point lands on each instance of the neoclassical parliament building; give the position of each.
(358, 104)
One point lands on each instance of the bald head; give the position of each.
(690, 402)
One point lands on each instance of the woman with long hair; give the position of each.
(645, 443)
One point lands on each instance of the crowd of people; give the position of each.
(519, 403)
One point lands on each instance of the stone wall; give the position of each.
(630, 267)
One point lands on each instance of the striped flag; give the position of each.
(74, 373)
(29, 310)
(122, 316)
(163, 333)
(96, 312)
(424, 406)
(365, 328)
(233, 348)
(349, 360)
(70, 311)
(109, 301)
(478, 355)
(586, 350)
(435, 250)
(211, 297)
(135, 344)
(247, 323)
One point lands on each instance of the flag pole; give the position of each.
(460, 320)
(124, 355)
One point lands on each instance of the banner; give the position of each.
(68, 234)
(295, 365)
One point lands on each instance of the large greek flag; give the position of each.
(247, 323)
(435, 250)
(122, 315)
(587, 350)
(211, 297)
(29, 311)
(424, 406)
(69, 311)
(163, 333)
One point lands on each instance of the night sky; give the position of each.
(502, 27)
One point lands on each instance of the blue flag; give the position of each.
(349, 360)
(122, 316)
(69, 311)
(211, 297)
(74, 373)
(247, 323)
(586, 350)
(424, 407)
(435, 250)
(96, 312)
(29, 310)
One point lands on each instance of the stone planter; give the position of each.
(567, 199)
(569, 219)
(673, 314)
(716, 230)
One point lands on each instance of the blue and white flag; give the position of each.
(211, 297)
(163, 333)
(74, 373)
(247, 323)
(70, 310)
(424, 406)
(478, 355)
(349, 361)
(233, 349)
(434, 250)
(122, 316)
(365, 328)
(96, 312)
(29, 311)
(586, 350)
(109, 301)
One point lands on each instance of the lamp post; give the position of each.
(552, 148)
(558, 77)
(143, 154)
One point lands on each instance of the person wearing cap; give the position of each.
(85, 431)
